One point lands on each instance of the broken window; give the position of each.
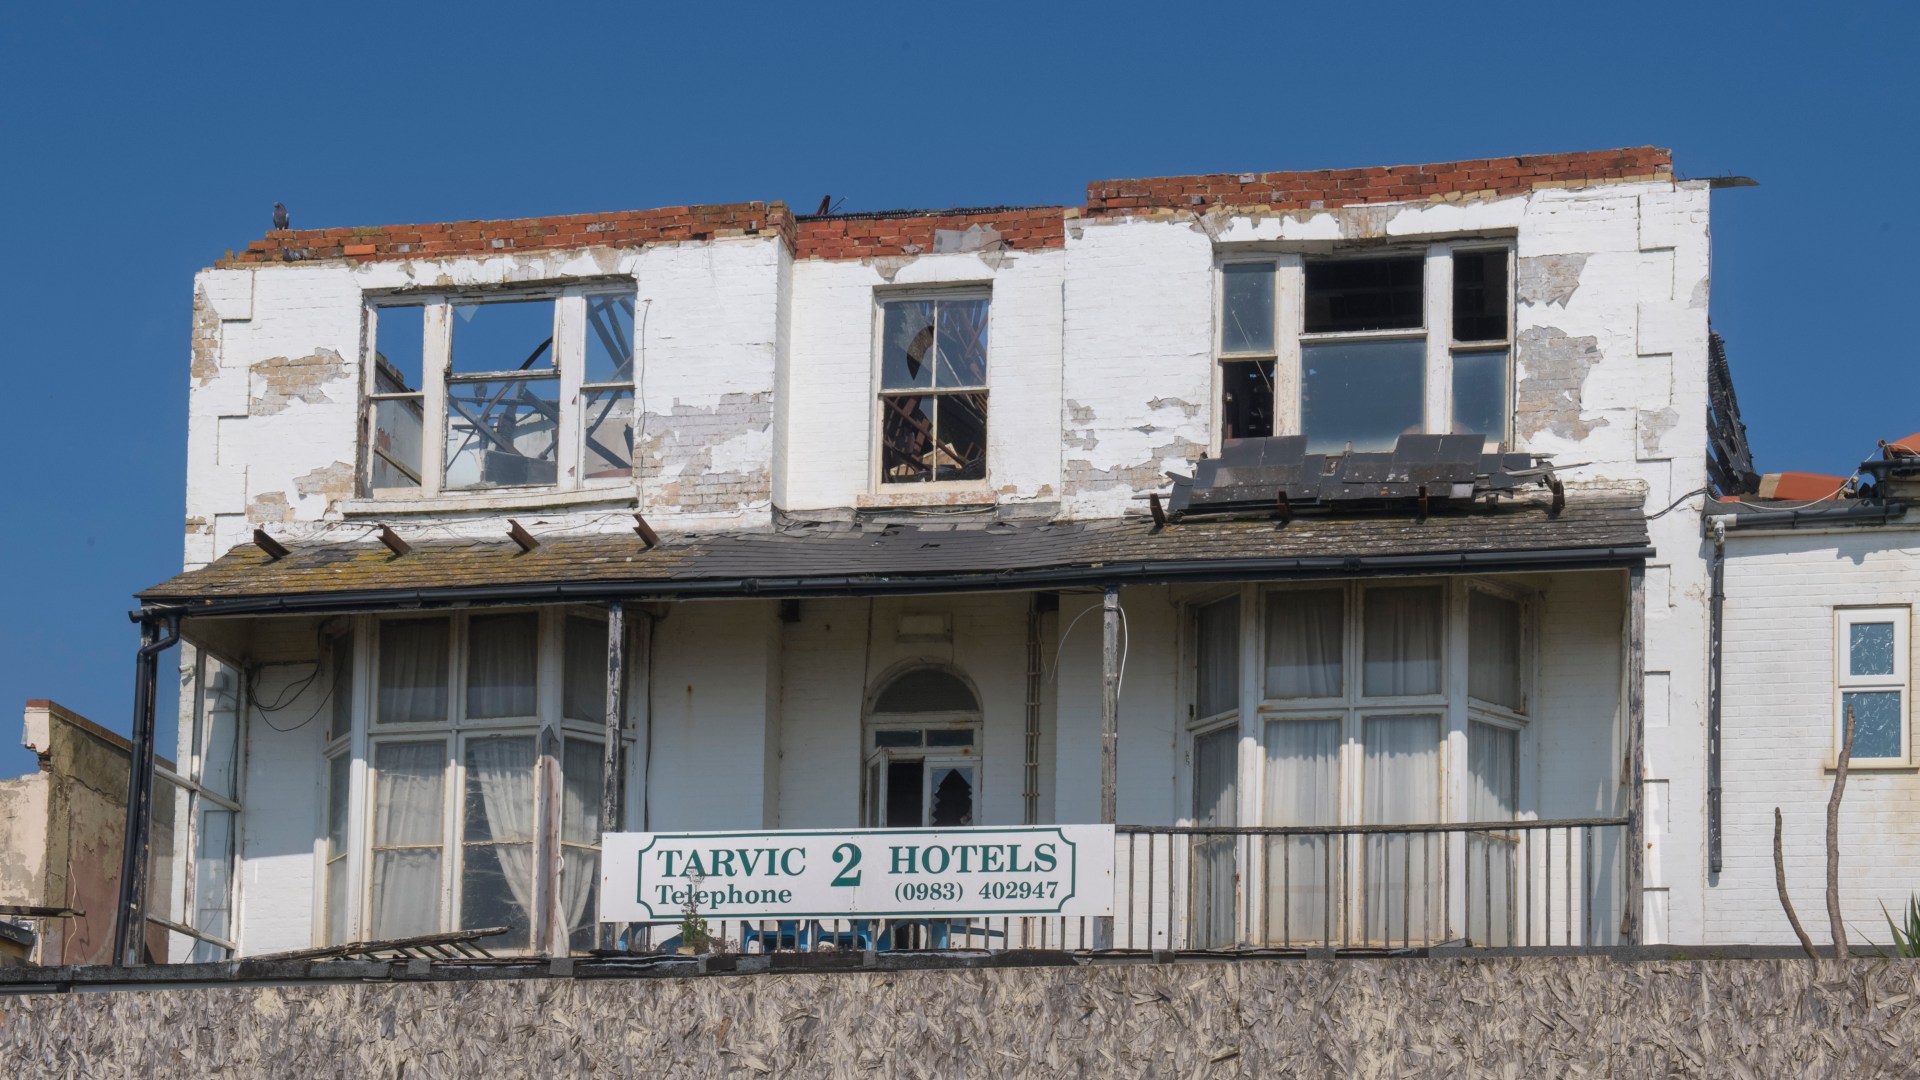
(1871, 660)
(933, 389)
(921, 759)
(1341, 350)
(483, 784)
(474, 393)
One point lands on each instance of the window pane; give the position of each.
(1216, 775)
(926, 690)
(1493, 757)
(220, 705)
(1401, 785)
(609, 339)
(1246, 399)
(904, 794)
(582, 767)
(952, 797)
(1346, 295)
(1215, 792)
(906, 345)
(1246, 321)
(607, 430)
(413, 671)
(1402, 641)
(407, 838)
(872, 807)
(583, 690)
(496, 876)
(502, 654)
(962, 434)
(579, 893)
(340, 695)
(1480, 394)
(1302, 788)
(1480, 296)
(950, 737)
(1876, 722)
(1493, 649)
(1217, 657)
(166, 884)
(906, 439)
(399, 336)
(1367, 393)
(1306, 632)
(516, 335)
(962, 343)
(1402, 781)
(896, 737)
(339, 784)
(1870, 649)
(502, 432)
(213, 872)
(397, 430)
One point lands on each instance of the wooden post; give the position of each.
(1109, 732)
(610, 820)
(1631, 931)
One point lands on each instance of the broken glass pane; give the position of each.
(607, 430)
(962, 343)
(1870, 648)
(609, 339)
(962, 434)
(399, 336)
(1246, 399)
(1367, 393)
(906, 439)
(952, 797)
(515, 335)
(1480, 296)
(1350, 295)
(502, 432)
(1246, 323)
(906, 347)
(397, 430)
(1876, 723)
(1480, 394)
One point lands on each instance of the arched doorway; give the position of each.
(922, 748)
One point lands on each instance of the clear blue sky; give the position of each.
(139, 142)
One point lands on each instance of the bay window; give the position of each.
(1356, 348)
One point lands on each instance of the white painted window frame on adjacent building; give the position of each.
(1853, 631)
(591, 373)
(1261, 339)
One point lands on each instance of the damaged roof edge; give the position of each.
(1141, 573)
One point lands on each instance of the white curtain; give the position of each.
(502, 656)
(1493, 649)
(499, 826)
(580, 839)
(1303, 788)
(413, 671)
(583, 687)
(1215, 791)
(1217, 671)
(408, 801)
(1492, 791)
(1403, 641)
(1304, 637)
(1401, 785)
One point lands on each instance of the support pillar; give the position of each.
(1109, 732)
(610, 773)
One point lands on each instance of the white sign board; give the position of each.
(1030, 870)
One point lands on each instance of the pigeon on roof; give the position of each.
(280, 218)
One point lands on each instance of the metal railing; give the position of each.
(1361, 888)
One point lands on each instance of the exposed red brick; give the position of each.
(1022, 228)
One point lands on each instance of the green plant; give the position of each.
(695, 934)
(1906, 939)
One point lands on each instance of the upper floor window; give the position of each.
(933, 388)
(1871, 657)
(1354, 351)
(532, 390)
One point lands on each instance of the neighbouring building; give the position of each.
(1335, 494)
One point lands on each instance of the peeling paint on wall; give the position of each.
(696, 457)
(268, 508)
(198, 526)
(1187, 408)
(1548, 279)
(1553, 368)
(204, 355)
(1654, 425)
(1150, 475)
(330, 482)
(284, 380)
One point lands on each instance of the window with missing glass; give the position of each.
(1354, 350)
(922, 758)
(513, 390)
(1872, 661)
(933, 388)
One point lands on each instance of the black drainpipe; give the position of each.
(131, 913)
(1715, 602)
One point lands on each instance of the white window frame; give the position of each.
(1901, 680)
(1289, 331)
(931, 490)
(928, 756)
(436, 359)
(193, 793)
(550, 731)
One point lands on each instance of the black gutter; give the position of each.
(1716, 604)
(1147, 573)
(130, 914)
(1763, 518)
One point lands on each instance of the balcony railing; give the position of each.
(1362, 888)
